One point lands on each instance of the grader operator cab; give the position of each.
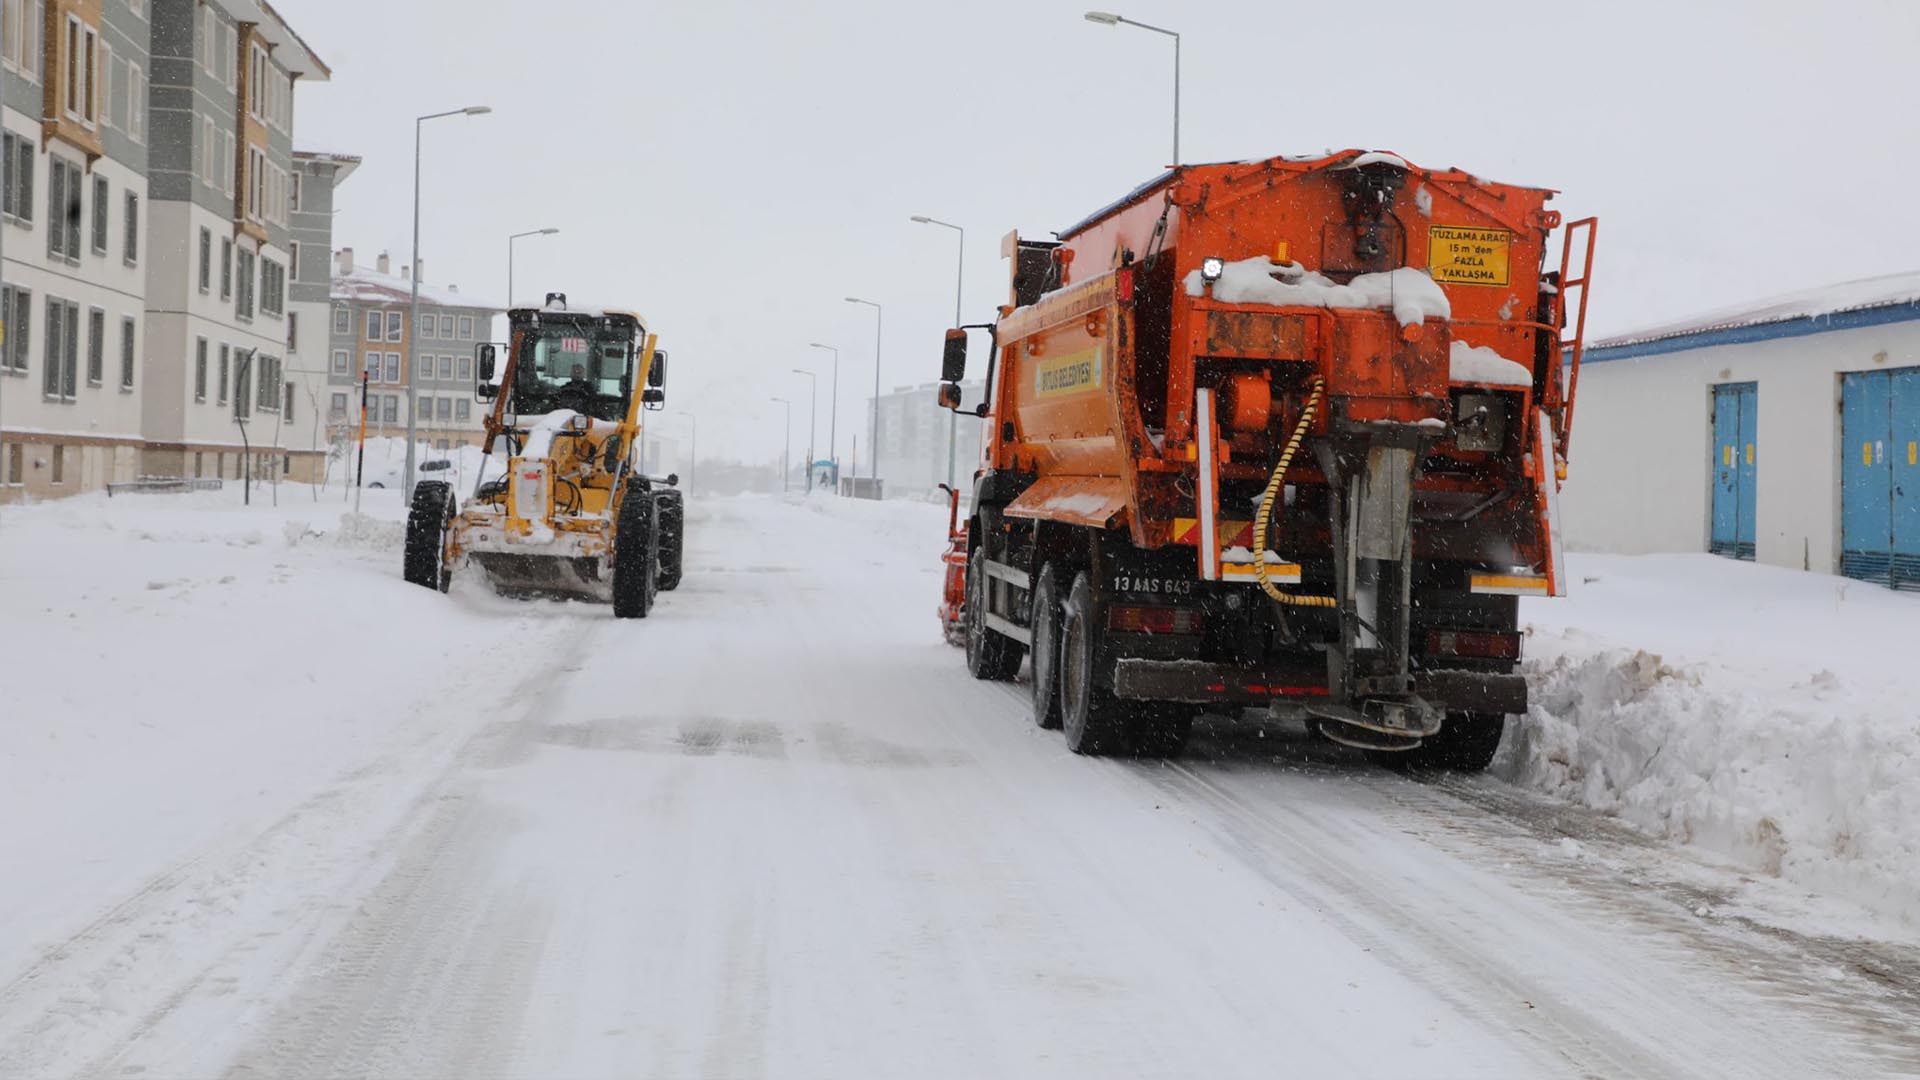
(572, 516)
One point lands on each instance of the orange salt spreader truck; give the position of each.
(1284, 434)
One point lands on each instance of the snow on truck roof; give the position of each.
(1342, 159)
(591, 311)
(1887, 298)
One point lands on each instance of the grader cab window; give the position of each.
(576, 367)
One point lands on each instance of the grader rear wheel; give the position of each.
(429, 521)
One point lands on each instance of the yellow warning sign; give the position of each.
(1068, 374)
(1463, 256)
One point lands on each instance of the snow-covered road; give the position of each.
(776, 830)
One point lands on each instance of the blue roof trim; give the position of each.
(1740, 335)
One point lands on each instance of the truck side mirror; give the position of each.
(949, 395)
(653, 395)
(657, 375)
(485, 355)
(953, 361)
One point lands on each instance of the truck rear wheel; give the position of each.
(671, 523)
(635, 556)
(1093, 719)
(1466, 742)
(991, 655)
(429, 520)
(1045, 622)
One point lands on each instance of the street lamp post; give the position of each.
(813, 417)
(1109, 19)
(786, 448)
(693, 448)
(510, 240)
(413, 301)
(873, 437)
(833, 410)
(959, 283)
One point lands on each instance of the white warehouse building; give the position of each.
(1785, 431)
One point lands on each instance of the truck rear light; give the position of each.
(1135, 619)
(1123, 285)
(1477, 644)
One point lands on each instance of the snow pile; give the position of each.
(1479, 364)
(1760, 713)
(1410, 294)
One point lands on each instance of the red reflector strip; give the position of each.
(1486, 644)
(1133, 619)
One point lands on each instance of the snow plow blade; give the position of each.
(544, 575)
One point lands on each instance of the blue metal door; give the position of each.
(1866, 476)
(1903, 451)
(1735, 469)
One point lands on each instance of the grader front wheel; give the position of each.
(429, 521)
(636, 556)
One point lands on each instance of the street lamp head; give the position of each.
(548, 232)
(1103, 18)
(922, 219)
(855, 300)
(477, 110)
(817, 345)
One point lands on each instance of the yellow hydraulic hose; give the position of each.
(1264, 517)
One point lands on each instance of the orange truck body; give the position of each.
(1128, 400)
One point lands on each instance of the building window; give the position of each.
(16, 465)
(466, 367)
(393, 326)
(126, 352)
(199, 369)
(99, 235)
(244, 280)
(59, 464)
(393, 367)
(257, 86)
(424, 406)
(209, 41)
(131, 233)
(226, 170)
(445, 408)
(226, 268)
(390, 412)
(209, 153)
(96, 346)
(206, 258)
(63, 349)
(462, 408)
(273, 287)
(337, 407)
(229, 55)
(21, 24)
(340, 360)
(286, 409)
(342, 319)
(16, 304)
(466, 328)
(226, 359)
(424, 369)
(446, 326)
(426, 326)
(267, 368)
(136, 103)
(242, 384)
(446, 367)
(63, 209)
(373, 367)
(80, 61)
(373, 326)
(293, 260)
(293, 195)
(18, 167)
(256, 184)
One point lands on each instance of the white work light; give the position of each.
(1211, 268)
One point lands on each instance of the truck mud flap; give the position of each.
(1199, 682)
(1473, 691)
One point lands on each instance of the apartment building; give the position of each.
(147, 182)
(369, 333)
(919, 441)
(73, 170)
(316, 176)
(220, 186)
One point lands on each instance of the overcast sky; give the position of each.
(734, 169)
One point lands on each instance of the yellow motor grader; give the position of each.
(573, 516)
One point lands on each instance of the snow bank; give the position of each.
(1479, 364)
(1410, 294)
(1764, 714)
